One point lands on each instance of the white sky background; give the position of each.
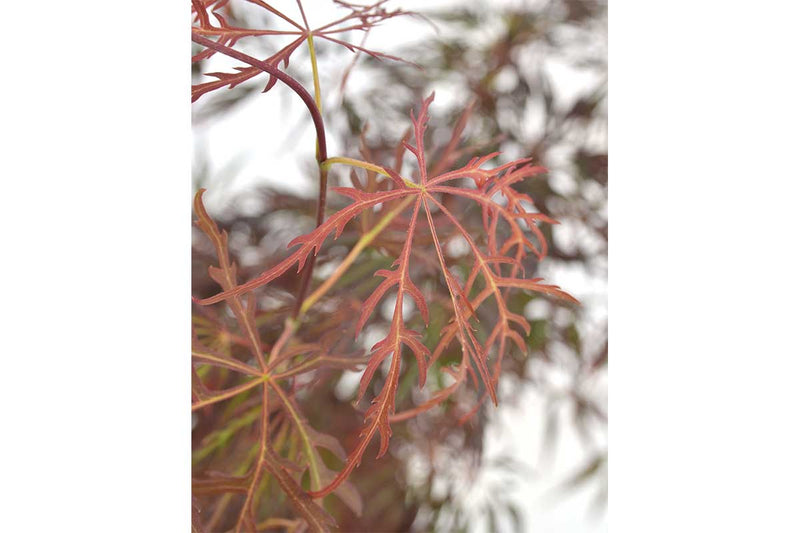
(248, 147)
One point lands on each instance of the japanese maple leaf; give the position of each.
(359, 18)
(423, 202)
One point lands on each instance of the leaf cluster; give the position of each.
(430, 312)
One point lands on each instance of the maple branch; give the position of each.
(322, 149)
(285, 78)
(305, 279)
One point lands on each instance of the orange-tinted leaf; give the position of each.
(312, 242)
(534, 285)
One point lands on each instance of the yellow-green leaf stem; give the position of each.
(353, 163)
(315, 72)
(311, 456)
(361, 164)
(305, 278)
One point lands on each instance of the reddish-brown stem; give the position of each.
(308, 269)
(282, 76)
(322, 150)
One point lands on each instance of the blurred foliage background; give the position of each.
(534, 76)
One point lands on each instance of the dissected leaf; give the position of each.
(360, 18)
(426, 210)
(486, 266)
